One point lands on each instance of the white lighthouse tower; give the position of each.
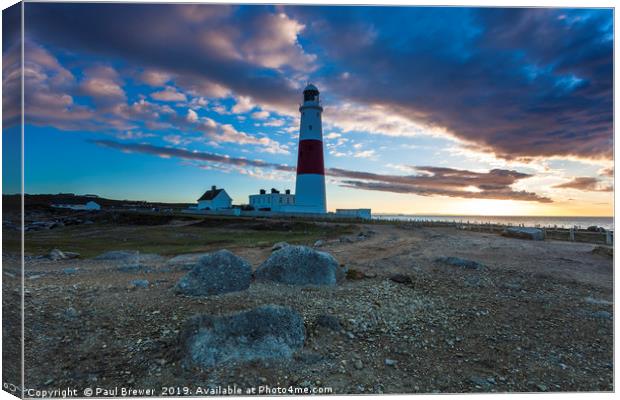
(310, 184)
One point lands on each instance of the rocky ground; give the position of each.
(535, 316)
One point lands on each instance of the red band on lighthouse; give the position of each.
(310, 157)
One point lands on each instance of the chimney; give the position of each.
(262, 191)
(287, 191)
(213, 188)
(273, 190)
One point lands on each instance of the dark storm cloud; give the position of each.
(585, 183)
(196, 42)
(189, 155)
(433, 181)
(496, 194)
(437, 181)
(520, 83)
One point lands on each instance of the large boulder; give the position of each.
(216, 273)
(264, 333)
(300, 265)
(279, 246)
(524, 233)
(604, 251)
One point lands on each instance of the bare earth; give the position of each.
(538, 317)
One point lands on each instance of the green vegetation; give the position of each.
(171, 239)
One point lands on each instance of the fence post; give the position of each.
(571, 234)
(608, 240)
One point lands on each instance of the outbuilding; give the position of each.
(77, 205)
(214, 199)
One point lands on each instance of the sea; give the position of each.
(559, 222)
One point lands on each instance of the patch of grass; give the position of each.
(91, 240)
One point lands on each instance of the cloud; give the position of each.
(170, 93)
(364, 154)
(609, 171)
(585, 183)
(155, 78)
(192, 116)
(503, 194)
(260, 114)
(274, 122)
(243, 105)
(431, 181)
(494, 184)
(103, 84)
(274, 44)
(519, 83)
(49, 91)
(249, 52)
(189, 155)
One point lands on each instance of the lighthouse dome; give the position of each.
(311, 88)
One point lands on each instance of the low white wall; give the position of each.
(265, 214)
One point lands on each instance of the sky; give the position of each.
(427, 110)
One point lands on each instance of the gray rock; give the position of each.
(216, 273)
(70, 271)
(71, 313)
(329, 322)
(524, 233)
(185, 262)
(400, 278)
(133, 267)
(358, 364)
(56, 255)
(319, 243)
(279, 246)
(129, 256)
(592, 300)
(460, 262)
(118, 255)
(139, 283)
(479, 382)
(264, 333)
(389, 362)
(512, 285)
(300, 265)
(345, 239)
(601, 314)
(604, 251)
(474, 281)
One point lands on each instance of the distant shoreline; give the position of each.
(533, 221)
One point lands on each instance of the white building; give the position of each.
(214, 199)
(89, 206)
(274, 201)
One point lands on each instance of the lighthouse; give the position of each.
(310, 184)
